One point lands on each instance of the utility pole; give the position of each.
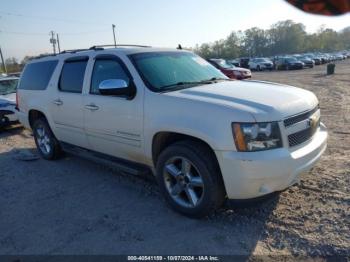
(58, 44)
(115, 42)
(3, 61)
(53, 41)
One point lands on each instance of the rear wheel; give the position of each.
(46, 143)
(258, 68)
(190, 179)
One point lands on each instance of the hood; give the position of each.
(6, 100)
(264, 100)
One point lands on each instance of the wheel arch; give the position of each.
(34, 114)
(164, 139)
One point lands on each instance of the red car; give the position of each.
(229, 70)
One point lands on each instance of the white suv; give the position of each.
(260, 64)
(205, 137)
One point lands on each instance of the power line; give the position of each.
(20, 33)
(50, 18)
(45, 34)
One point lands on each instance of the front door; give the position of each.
(113, 124)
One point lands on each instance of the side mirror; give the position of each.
(116, 87)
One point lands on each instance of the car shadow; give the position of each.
(75, 206)
(11, 130)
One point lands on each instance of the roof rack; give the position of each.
(41, 56)
(95, 47)
(73, 51)
(121, 45)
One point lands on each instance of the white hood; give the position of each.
(264, 100)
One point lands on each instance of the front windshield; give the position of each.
(165, 70)
(8, 86)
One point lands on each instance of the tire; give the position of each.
(46, 143)
(258, 68)
(194, 161)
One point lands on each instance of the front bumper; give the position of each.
(254, 174)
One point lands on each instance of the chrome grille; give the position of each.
(298, 118)
(304, 135)
(301, 136)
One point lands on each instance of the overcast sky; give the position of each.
(25, 25)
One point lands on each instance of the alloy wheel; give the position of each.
(43, 140)
(183, 182)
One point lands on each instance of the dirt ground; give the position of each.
(73, 206)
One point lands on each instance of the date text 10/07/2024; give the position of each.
(173, 258)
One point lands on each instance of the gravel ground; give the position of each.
(73, 206)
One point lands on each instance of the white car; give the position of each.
(8, 87)
(260, 64)
(205, 137)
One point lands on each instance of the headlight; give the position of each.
(256, 136)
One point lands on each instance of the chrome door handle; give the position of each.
(57, 102)
(92, 107)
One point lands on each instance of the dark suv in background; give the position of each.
(306, 60)
(287, 63)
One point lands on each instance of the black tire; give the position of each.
(54, 151)
(258, 68)
(202, 159)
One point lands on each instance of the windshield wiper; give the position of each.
(182, 85)
(218, 79)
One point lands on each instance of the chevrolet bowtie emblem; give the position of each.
(312, 122)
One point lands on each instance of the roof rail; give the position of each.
(73, 51)
(42, 56)
(95, 47)
(121, 45)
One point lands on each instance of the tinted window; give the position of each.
(106, 69)
(72, 76)
(36, 76)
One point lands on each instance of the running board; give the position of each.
(100, 158)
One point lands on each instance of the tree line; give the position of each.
(284, 37)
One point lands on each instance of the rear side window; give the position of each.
(36, 76)
(72, 76)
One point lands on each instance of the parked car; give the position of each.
(288, 63)
(8, 86)
(244, 62)
(234, 62)
(169, 112)
(260, 64)
(314, 58)
(229, 70)
(306, 60)
(339, 57)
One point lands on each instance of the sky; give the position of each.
(25, 24)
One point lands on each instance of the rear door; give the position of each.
(67, 102)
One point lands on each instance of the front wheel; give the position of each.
(190, 179)
(46, 143)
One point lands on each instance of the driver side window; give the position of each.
(105, 69)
